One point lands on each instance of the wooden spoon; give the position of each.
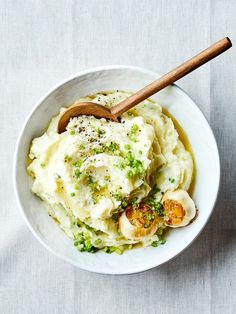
(90, 108)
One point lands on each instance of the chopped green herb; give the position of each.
(117, 196)
(136, 166)
(77, 173)
(147, 224)
(150, 217)
(127, 146)
(129, 174)
(172, 180)
(155, 189)
(157, 206)
(135, 201)
(88, 245)
(88, 228)
(124, 203)
(93, 183)
(67, 158)
(100, 131)
(113, 147)
(118, 250)
(83, 244)
(155, 243)
(77, 166)
(98, 242)
(96, 197)
(110, 249)
(72, 132)
(121, 166)
(107, 177)
(133, 133)
(78, 163)
(159, 232)
(80, 247)
(43, 165)
(105, 249)
(97, 150)
(163, 241)
(72, 194)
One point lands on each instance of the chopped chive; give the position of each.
(77, 173)
(78, 163)
(118, 251)
(67, 158)
(127, 146)
(155, 189)
(147, 224)
(100, 131)
(98, 242)
(154, 244)
(124, 203)
(159, 232)
(129, 174)
(133, 133)
(150, 217)
(163, 241)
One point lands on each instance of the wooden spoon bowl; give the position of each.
(84, 108)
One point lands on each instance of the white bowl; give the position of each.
(181, 106)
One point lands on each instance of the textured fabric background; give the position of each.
(42, 42)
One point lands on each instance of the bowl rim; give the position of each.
(16, 153)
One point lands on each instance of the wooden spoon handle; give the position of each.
(172, 76)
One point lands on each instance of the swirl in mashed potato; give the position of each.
(92, 173)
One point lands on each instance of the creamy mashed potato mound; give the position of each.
(89, 175)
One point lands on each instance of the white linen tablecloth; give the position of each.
(42, 42)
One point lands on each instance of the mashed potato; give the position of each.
(89, 175)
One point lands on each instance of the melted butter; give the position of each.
(184, 139)
(28, 161)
